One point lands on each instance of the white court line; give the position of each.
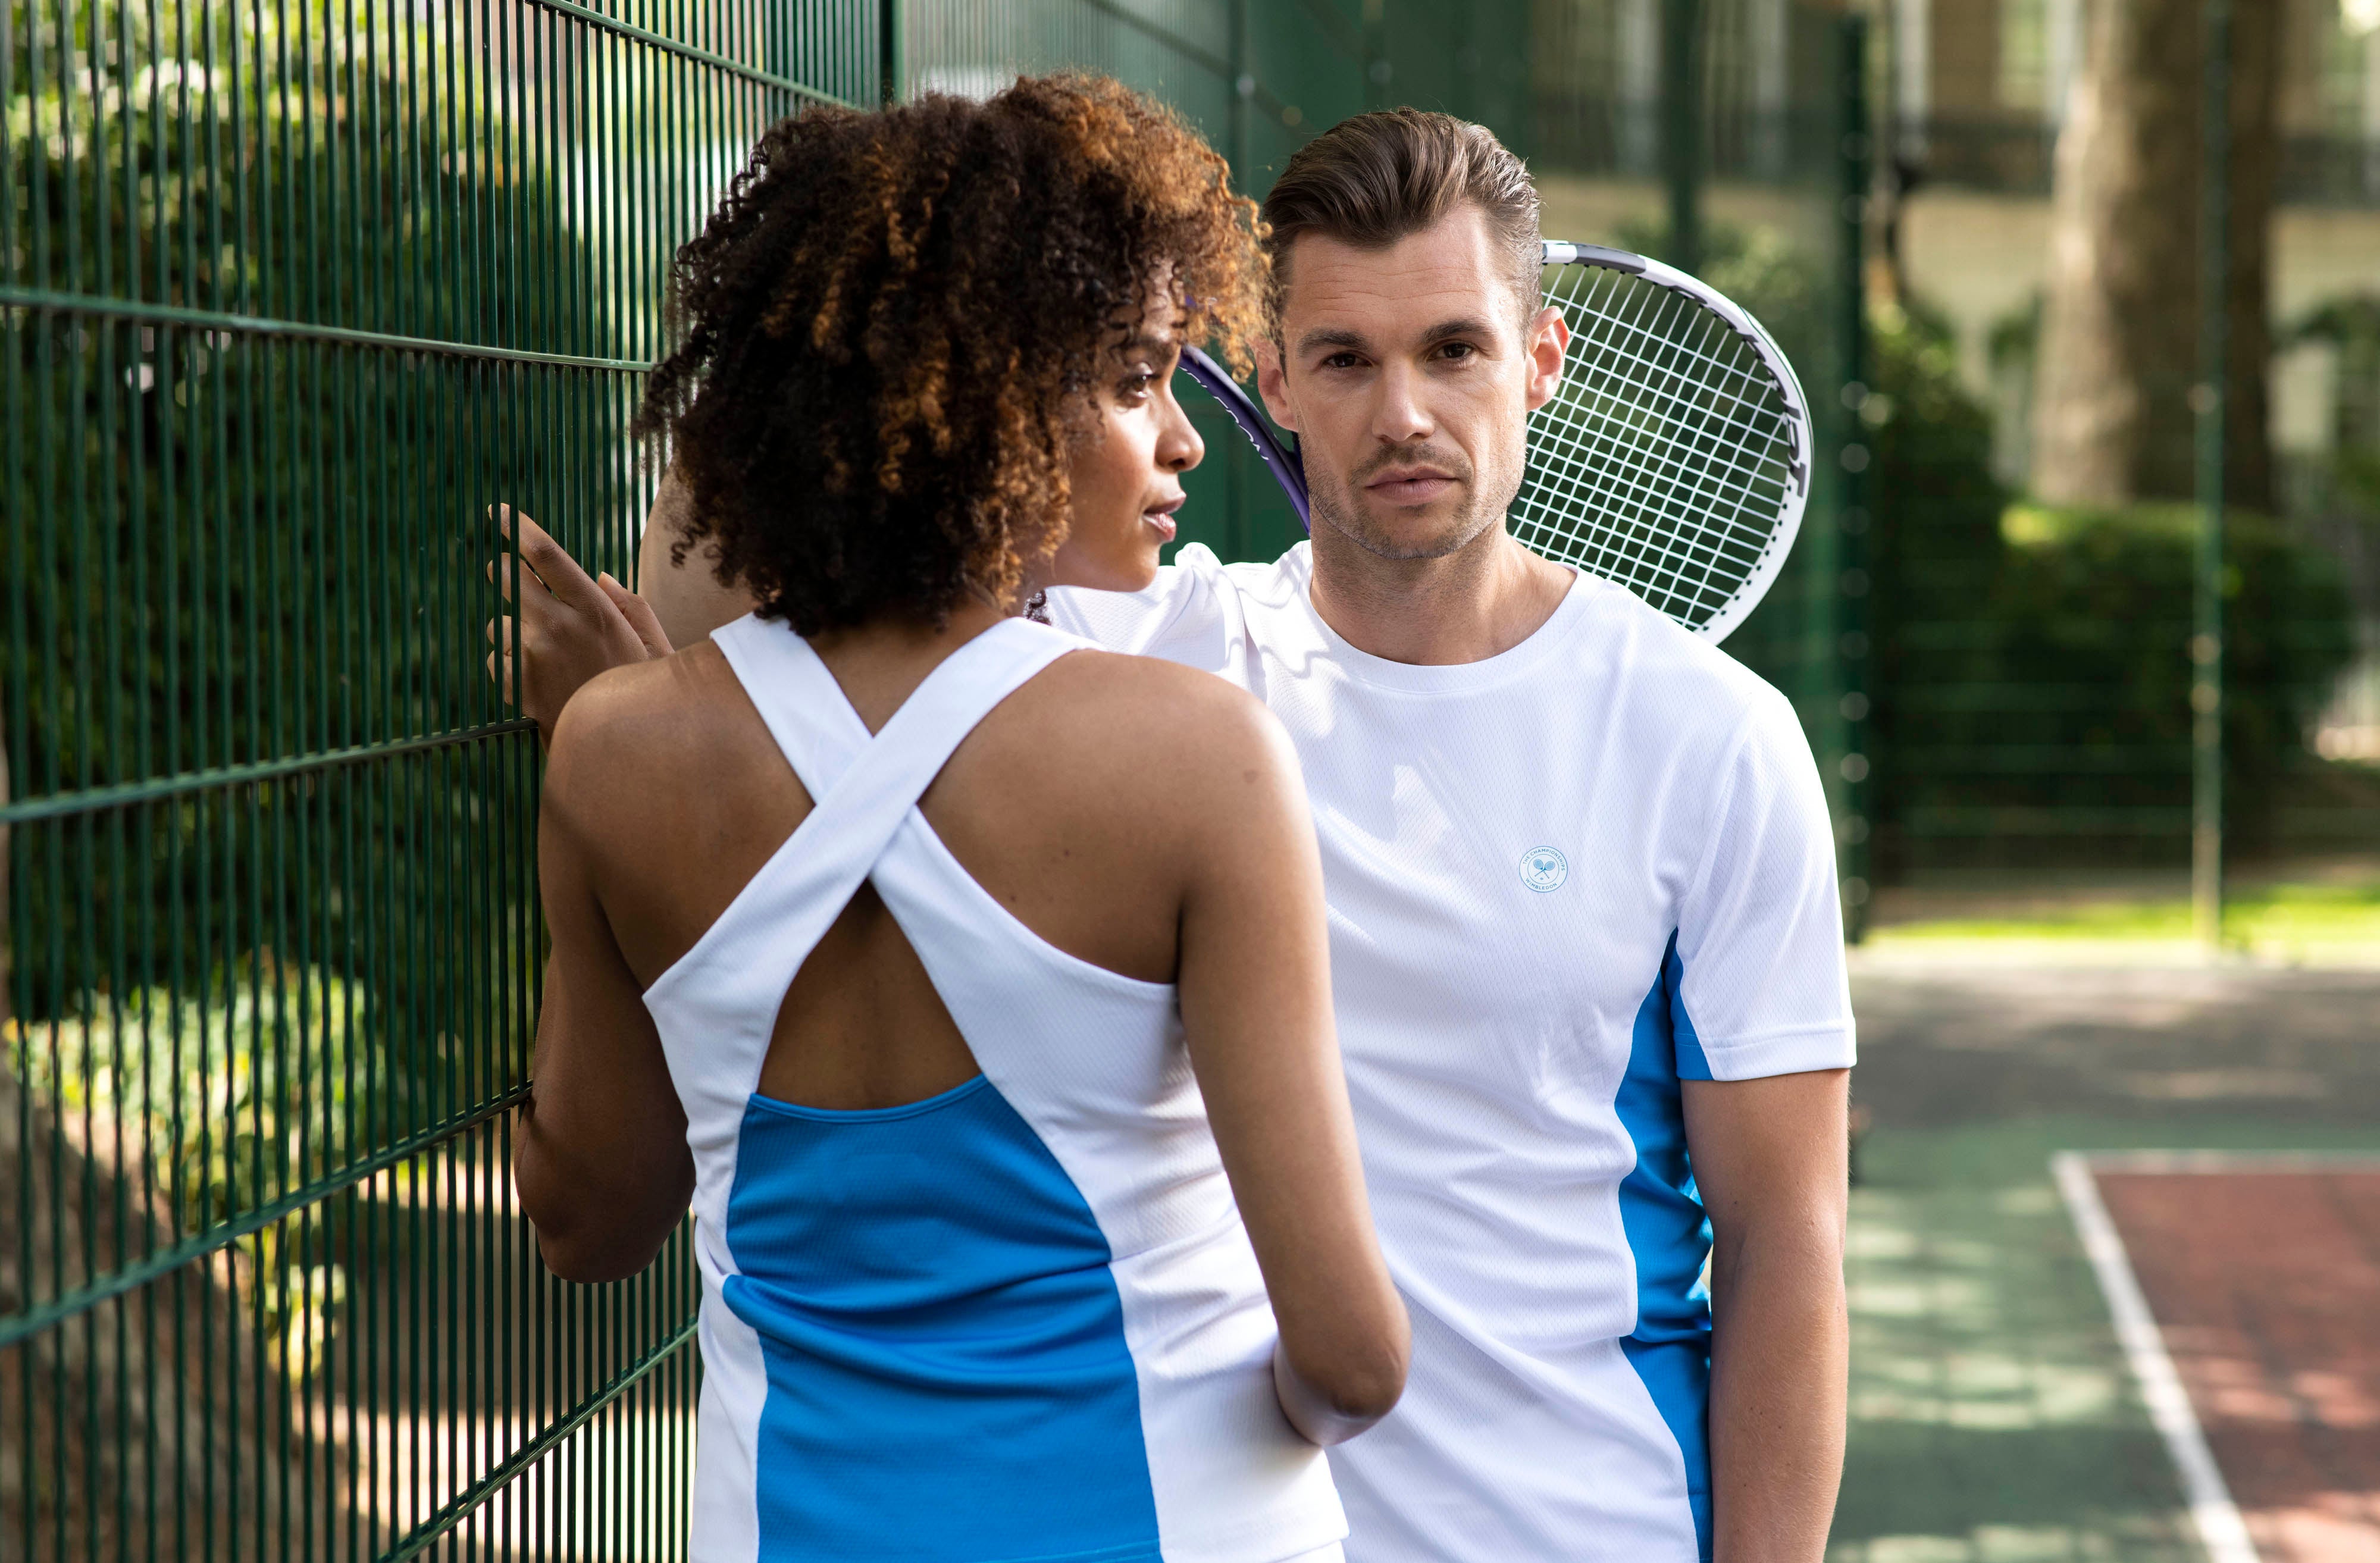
(2211, 1508)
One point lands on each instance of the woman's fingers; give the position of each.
(640, 614)
(549, 558)
(558, 637)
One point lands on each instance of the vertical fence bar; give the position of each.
(1682, 44)
(2211, 398)
(1846, 647)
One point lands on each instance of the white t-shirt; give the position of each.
(1560, 881)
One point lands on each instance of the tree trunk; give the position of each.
(2120, 342)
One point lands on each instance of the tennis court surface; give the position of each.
(2262, 1278)
(1995, 1413)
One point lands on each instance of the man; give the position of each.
(1585, 936)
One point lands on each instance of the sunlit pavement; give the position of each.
(1992, 1415)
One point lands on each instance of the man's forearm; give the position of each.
(1780, 1354)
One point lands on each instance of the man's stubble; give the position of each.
(1481, 511)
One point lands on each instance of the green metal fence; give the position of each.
(291, 291)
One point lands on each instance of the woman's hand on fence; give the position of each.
(565, 627)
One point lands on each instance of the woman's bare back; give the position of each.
(1078, 804)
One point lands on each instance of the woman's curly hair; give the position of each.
(891, 325)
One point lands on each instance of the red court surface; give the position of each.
(2265, 1286)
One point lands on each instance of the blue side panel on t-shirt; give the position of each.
(948, 1376)
(1668, 1231)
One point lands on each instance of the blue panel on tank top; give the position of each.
(948, 1376)
(1668, 1231)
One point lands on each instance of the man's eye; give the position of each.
(1458, 351)
(1339, 360)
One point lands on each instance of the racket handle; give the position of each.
(1287, 469)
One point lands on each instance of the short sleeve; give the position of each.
(1188, 615)
(1760, 986)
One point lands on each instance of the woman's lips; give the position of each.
(1161, 523)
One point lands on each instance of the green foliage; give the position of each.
(2035, 659)
(223, 1105)
(235, 1098)
(230, 548)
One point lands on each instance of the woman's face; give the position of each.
(1126, 471)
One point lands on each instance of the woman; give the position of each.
(919, 945)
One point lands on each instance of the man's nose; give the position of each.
(1402, 416)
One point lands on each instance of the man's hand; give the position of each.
(568, 628)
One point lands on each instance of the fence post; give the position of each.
(1681, 130)
(1847, 650)
(891, 64)
(1376, 70)
(2209, 398)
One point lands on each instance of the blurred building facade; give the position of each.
(1977, 91)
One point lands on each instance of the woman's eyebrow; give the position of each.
(1146, 342)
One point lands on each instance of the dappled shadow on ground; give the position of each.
(1993, 1416)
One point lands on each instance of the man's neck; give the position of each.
(1484, 598)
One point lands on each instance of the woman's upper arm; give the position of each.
(1255, 985)
(602, 1161)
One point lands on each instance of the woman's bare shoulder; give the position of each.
(1142, 721)
(671, 721)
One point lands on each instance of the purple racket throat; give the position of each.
(1287, 471)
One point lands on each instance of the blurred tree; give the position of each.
(2119, 335)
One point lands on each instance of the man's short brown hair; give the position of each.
(1380, 177)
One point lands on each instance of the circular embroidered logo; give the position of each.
(1544, 869)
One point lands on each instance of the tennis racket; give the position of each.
(1674, 460)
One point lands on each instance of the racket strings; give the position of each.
(1708, 371)
(1750, 422)
(1664, 463)
(1742, 404)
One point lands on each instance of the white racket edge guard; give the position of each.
(1763, 575)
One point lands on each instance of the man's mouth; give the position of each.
(1413, 486)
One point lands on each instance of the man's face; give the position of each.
(1408, 375)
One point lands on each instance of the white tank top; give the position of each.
(1019, 1320)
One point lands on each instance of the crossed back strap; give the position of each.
(860, 803)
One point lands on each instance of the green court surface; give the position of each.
(1992, 1417)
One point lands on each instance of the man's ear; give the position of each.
(1272, 383)
(1549, 340)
